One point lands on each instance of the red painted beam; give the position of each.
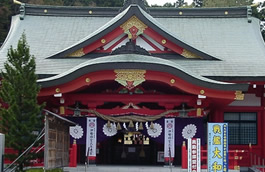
(157, 50)
(109, 50)
(116, 43)
(164, 42)
(174, 81)
(188, 87)
(127, 98)
(103, 40)
(78, 83)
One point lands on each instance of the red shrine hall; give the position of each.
(140, 81)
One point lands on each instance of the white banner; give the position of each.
(169, 146)
(194, 155)
(91, 137)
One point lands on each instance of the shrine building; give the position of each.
(140, 81)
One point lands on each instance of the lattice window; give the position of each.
(242, 127)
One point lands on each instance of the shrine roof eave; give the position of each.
(134, 61)
(260, 79)
(83, 11)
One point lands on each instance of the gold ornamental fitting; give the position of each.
(103, 41)
(57, 90)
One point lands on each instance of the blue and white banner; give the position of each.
(169, 144)
(217, 147)
(91, 137)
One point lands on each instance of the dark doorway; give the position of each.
(117, 151)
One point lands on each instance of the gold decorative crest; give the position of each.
(189, 54)
(133, 21)
(130, 78)
(239, 95)
(77, 53)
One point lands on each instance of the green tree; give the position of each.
(198, 3)
(179, 3)
(258, 11)
(6, 11)
(226, 3)
(19, 90)
(168, 4)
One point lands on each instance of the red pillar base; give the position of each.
(184, 156)
(73, 155)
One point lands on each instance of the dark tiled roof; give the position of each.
(224, 33)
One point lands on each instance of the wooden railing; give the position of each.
(257, 161)
(235, 157)
(35, 163)
(39, 162)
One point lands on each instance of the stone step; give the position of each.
(123, 169)
(118, 168)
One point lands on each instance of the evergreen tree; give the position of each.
(179, 3)
(258, 11)
(198, 3)
(226, 3)
(19, 90)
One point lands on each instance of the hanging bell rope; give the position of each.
(129, 118)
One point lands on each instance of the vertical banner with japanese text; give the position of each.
(217, 147)
(169, 144)
(91, 137)
(194, 155)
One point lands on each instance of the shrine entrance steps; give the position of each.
(116, 168)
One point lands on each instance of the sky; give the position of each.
(162, 2)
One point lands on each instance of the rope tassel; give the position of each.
(108, 124)
(141, 126)
(152, 125)
(131, 124)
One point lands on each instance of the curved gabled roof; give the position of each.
(133, 61)
(116, 22)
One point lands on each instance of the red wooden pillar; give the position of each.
(261, 130)
(184, 157)
(73, 155)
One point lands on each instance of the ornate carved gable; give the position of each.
(135, 35)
